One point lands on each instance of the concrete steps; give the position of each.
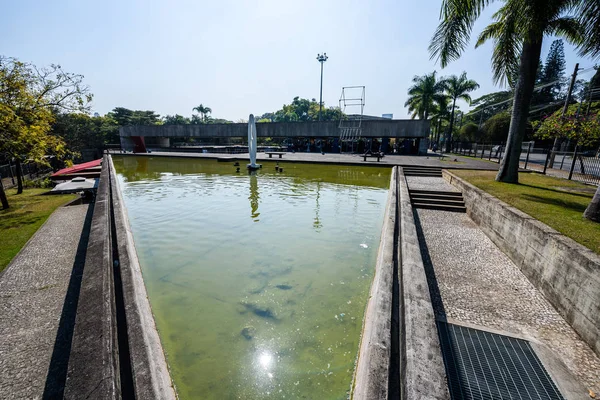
(422, 171)
(435, 200)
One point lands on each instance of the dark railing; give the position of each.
(574, 164)
(31, 171)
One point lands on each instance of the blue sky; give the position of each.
(239, 57)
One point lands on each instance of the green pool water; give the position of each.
(258, 282)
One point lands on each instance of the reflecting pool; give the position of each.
(258, 282)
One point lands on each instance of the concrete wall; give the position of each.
(93, 362)
(150, 374)
(372, 374)
(116, 352)
(376, 128)
(567, 273)
(423, 375)
(403, 317)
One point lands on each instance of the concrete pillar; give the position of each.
(336, 145)
(422, 143)
(164, 142)
(126, 143)
(385, 144)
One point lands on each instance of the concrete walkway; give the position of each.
(473, 283)
(38, 299)
(432, 159)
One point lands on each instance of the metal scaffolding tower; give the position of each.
(352, 104)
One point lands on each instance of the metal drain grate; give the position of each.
(483, 365)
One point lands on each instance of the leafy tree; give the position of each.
(196, 120)
(441, 115)
(81, 132)
(583, 129)
(576, 126)
(595, 85)
(328, 114)
(286, 114)
(469, 132)
(588, 91)
(303, 110)
(458, 87)
(219, 121)
(424, 95)
(490, 104)
(29, 96)
(176, 120)
(518, 32)
(125, 117)
(554, 70)
(496, 128)
(269, 116)
(203, 111)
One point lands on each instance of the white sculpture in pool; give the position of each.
(252, 143)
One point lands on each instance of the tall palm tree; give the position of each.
(203, 111)
(440, 113)
(518, 31)
(424, 94)
(458, 87)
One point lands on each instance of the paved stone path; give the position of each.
(429, 183)
(474, 282)
(430, 160)
(35, 320)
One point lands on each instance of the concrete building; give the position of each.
(383, 129)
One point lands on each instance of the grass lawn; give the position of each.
(559, 203)
(27, 212)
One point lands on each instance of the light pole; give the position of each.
(321, 58)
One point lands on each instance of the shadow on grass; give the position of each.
(535, 187)
(571, 205)
(23, 220)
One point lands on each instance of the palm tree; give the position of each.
(424, 94)
(458, 87)
(518, 32)
(440, 113)
(203, 111)
(592, 212)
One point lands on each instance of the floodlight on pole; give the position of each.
(321, 58)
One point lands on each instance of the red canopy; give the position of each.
(78, 168)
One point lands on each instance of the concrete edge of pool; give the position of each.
(372, 374)
(117, 352)
(400, 354)
(422, 370)
(149, 367)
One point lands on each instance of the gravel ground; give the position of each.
(32, 293)
(474, 282)
(429, 183)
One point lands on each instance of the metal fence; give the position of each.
(575, 164)
(8, 173)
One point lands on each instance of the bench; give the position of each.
(270, 153)
(378, 155)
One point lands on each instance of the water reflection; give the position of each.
(254, 196)
(317, 222)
